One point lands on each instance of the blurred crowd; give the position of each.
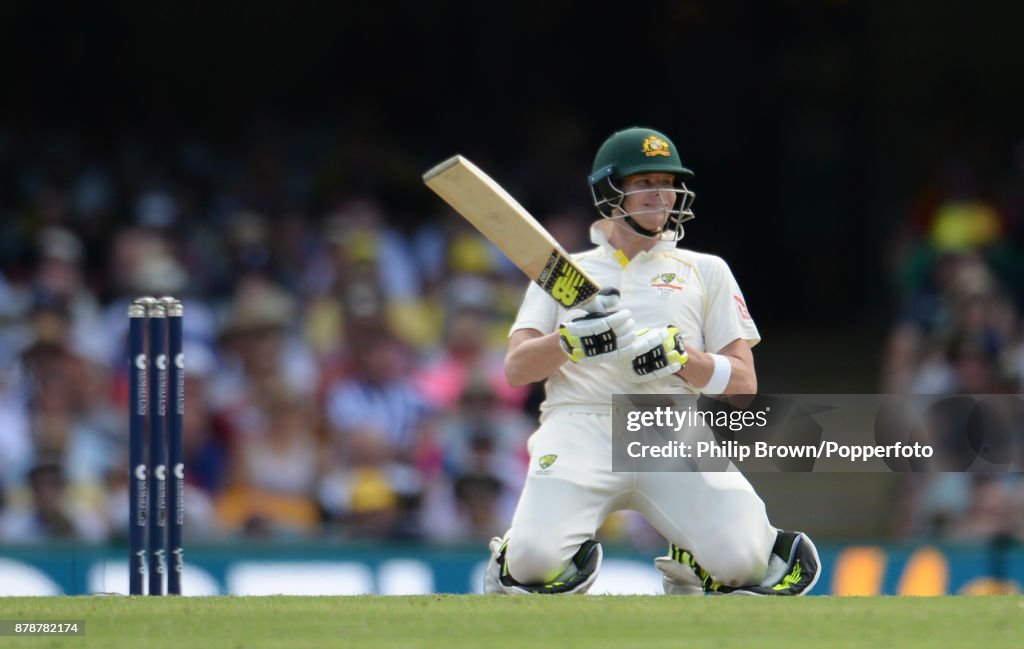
(343, 360)
(344, 356)
(957, 262)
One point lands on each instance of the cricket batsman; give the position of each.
(676, 322)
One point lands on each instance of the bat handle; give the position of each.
(606, 300)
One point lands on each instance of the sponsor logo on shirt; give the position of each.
(742, 307)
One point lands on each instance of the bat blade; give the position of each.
(499, 217)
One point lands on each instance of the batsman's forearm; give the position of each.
(534, 360)
(699, 368)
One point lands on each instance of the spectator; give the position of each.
(378, 395)
(51, 513)
(484, 460)
(275, 474)
(59, 277)
(364, 488)
(262, 353)
(466, 353)
(283, 458)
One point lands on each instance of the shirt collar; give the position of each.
(598, 238)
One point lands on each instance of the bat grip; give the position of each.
(606, 300)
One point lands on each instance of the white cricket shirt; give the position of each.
(665, 285)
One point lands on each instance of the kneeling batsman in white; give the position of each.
(605, 335)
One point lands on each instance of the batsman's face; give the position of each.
(649, 197)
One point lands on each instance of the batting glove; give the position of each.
(604, 334)
(657, 353)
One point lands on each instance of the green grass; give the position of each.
(478, 622)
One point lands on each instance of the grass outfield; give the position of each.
(478, 622)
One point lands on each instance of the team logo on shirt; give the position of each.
(545, 462)
(667, 284)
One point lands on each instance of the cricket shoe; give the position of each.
(495, 567)
(577, 578)
(681, 574)
(793, 569)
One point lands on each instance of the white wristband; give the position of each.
(720, 377)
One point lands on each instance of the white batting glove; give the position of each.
(604, 302)
(604, 334)
(657, 353)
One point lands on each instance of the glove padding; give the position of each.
(657, 353)
(604, 334)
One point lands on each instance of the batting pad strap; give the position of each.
(720, 376)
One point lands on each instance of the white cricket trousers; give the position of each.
(716, 516)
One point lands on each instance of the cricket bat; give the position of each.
(508, 225)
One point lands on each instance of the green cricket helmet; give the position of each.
(638, 150)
